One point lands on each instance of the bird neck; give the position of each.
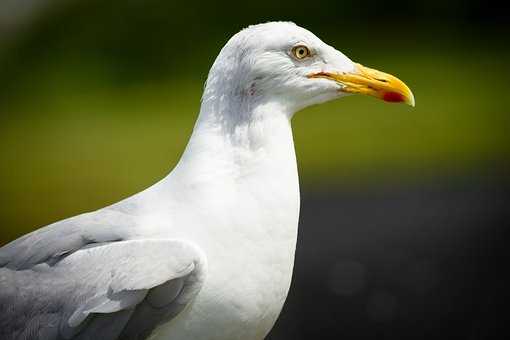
(239, 140)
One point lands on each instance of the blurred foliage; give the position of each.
(98, 98)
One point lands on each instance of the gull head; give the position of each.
(284, 63)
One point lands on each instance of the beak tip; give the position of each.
(410, 101)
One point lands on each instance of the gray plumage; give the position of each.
(83, 276)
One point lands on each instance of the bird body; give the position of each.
(212, 191)
(207, 252)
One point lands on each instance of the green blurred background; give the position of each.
(98, 98)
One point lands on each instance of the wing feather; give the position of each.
(133, 284)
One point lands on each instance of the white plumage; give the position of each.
(208, 251)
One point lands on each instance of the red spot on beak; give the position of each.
(393, 97)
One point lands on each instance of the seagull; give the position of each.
(208, 251)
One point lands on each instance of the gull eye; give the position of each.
(301, 52)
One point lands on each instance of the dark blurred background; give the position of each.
(405, 212)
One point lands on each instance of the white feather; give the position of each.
(234, 196)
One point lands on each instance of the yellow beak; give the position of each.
(373, 83)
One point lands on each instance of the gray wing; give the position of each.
(55, 241)
(105, 289)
